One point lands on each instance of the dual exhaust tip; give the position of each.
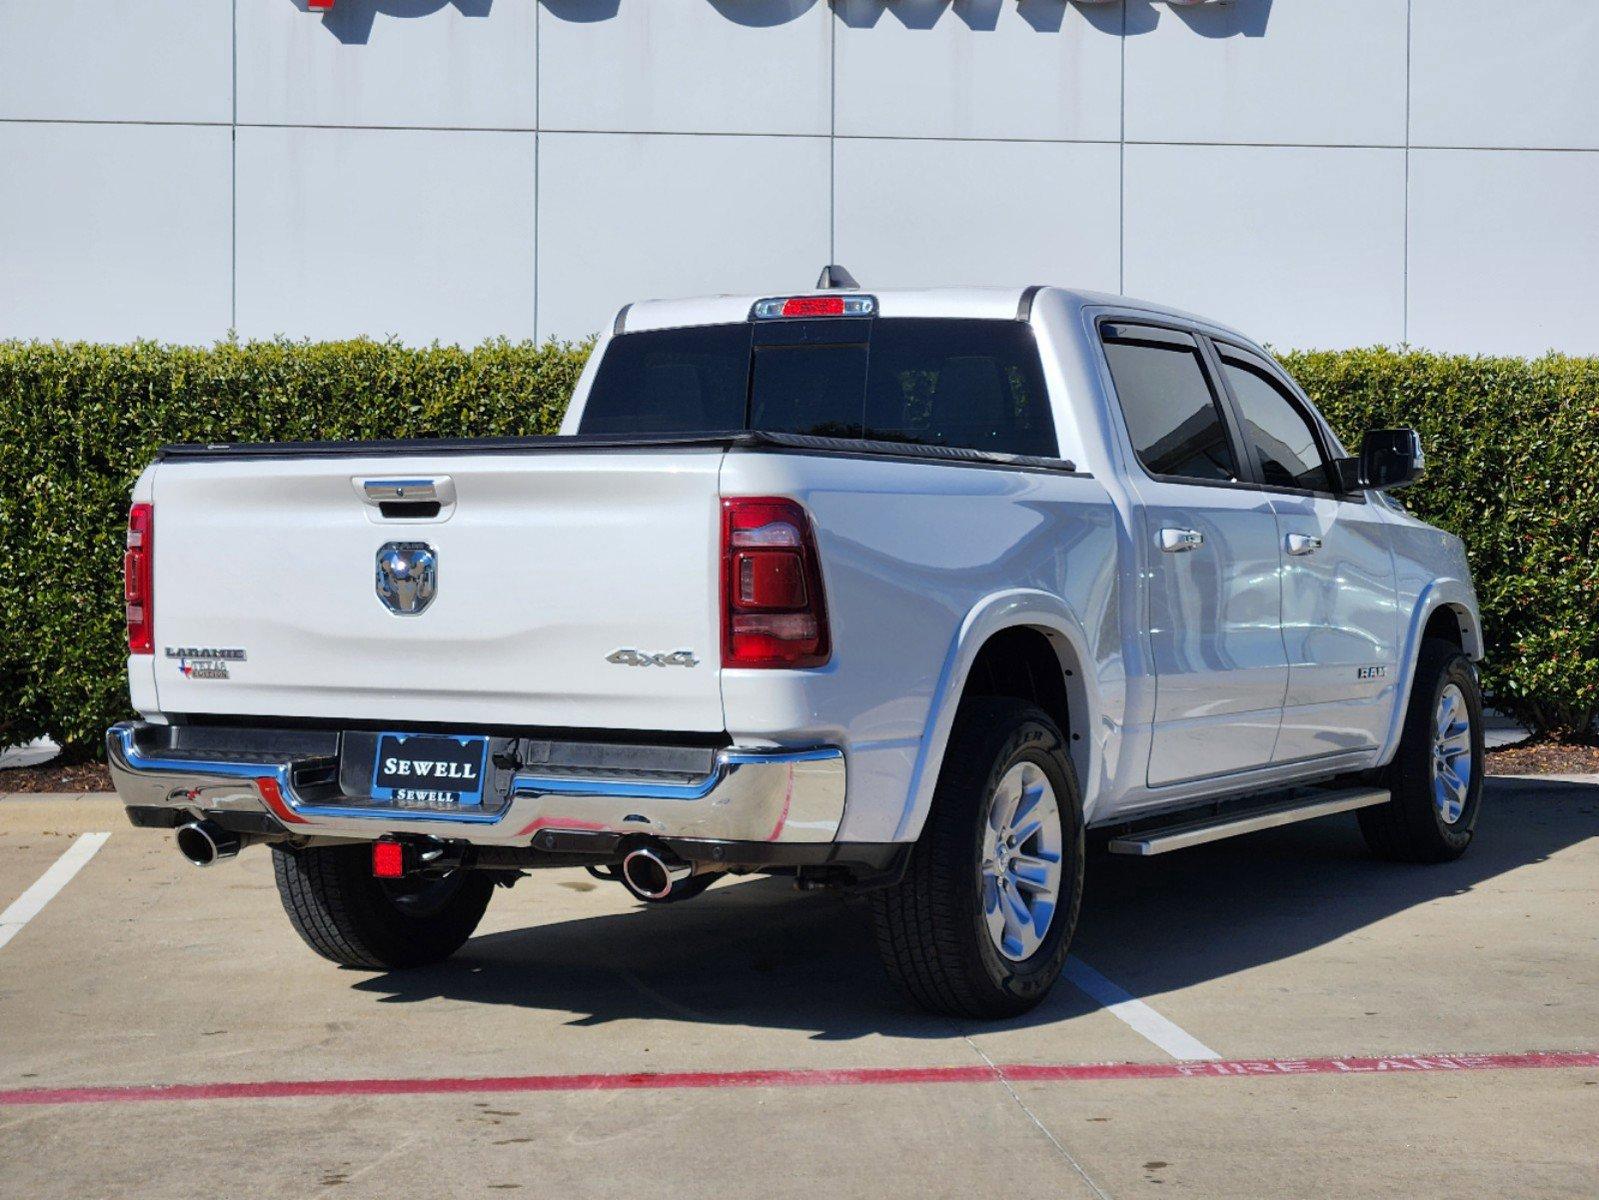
(651, 875)
(204, 843)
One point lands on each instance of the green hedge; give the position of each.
(1513, 468)
(1513, 462)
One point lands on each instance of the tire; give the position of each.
(1415, 826)
(933, 926)
(353, 919)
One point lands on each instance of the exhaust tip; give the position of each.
(647, 875)
(205, 842)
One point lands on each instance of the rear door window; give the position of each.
(1173, 416)
(971, 384)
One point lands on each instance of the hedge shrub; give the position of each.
(1513, 468)
(1513, 457)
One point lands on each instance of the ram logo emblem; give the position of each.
(407, 577)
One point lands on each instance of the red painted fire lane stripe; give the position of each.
(1017, 1073)
(1035, 1073)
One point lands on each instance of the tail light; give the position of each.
(773, 611)
(388, 860)
(138, 578)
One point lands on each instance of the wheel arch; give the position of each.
(1445, 608)
(1453, 621)
(1020, 626)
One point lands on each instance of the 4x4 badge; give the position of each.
(628, 657)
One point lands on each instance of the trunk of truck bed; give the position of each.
(552, 555)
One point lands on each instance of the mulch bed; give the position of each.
(48, 777)
(1543, 758)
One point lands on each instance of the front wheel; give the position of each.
(981, 922)
(353, 919)
(1436, 774)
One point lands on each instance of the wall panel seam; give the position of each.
(1404, 260)
(233, 184)
(538, 153)
(1399, 147)
(1121, 167)
(832, 133)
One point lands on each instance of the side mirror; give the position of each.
(1391, 458)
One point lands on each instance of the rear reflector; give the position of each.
(815, 306)
(388, 860)
(272, 797)
(138, 577)
(773, 611)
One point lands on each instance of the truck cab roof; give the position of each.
(970, 302)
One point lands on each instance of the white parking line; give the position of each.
(1145, 1021)
(28, 905)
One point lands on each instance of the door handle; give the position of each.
(1303, 543)
(1180, 541)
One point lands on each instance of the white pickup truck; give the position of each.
(901, 591)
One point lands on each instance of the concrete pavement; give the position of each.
(1290, 944)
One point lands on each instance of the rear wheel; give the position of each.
(981, 922)
(348, 916)
(1436, 774)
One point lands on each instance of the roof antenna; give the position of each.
(835, 276)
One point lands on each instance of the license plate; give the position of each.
(428, 769)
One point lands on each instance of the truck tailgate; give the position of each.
(547, 563)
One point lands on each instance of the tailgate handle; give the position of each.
(416, 491)
(407, 499)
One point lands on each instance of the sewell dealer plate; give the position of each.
(422, 768)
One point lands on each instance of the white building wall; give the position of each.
(1321, 174)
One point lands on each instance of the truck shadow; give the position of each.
(757, 954)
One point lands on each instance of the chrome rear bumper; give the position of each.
(781, 796)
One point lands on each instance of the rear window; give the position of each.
(971, 384)
(671, 381)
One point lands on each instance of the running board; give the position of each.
(1214, 829)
